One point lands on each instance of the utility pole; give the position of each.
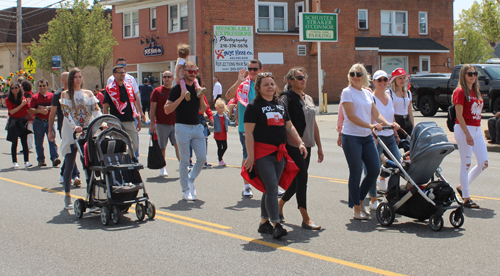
(320, 72)
(192, 26)
(19, 35)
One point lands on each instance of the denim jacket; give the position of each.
(217, 125)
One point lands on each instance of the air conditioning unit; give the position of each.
(301, 50)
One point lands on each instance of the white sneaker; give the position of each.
(27, 164)
(193, 190)
(373, 206)
(382, 185)
(163, 172)
(247, 192)
(61, 179)
(187, 196)
(15, 165)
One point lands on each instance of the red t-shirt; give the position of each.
(39, 100)
(472, 107)
(160, 97)
(19, 114)
(222, 135)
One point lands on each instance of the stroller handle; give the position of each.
(383, 128)
(84, 131)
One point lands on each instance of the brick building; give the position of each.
(386, 34)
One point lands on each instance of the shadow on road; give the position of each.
(482, 213)
(244, 203)
(161, 179)
(92, 221)
(183, 205)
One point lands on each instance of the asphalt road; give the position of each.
(217, 235)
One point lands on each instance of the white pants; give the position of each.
(479, 150)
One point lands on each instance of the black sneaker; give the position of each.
(56, 162)
(42, 164)
(279, 231)
(265, 228)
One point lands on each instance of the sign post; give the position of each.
(318, 27)
(29, 65)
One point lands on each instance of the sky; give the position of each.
(458, 6)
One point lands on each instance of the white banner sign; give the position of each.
(233, 47)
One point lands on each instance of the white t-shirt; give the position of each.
(401, 104)
(362, 102)
(388, 112)
(129, 79)
(181, 62)
(217, 89)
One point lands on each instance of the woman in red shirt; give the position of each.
(17, 126)
(468, 105)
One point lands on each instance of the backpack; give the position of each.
(450, 121)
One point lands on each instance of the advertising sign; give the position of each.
(56, 62)
(233, 47)
(318, 27)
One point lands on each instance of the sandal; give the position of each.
(459, 191)
(471, 204)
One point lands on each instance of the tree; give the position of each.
(476, 27)
(82, 38)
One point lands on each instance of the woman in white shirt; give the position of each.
(401, 99)
(357, 140)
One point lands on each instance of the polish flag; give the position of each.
(275, 119)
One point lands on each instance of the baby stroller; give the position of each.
(112, 172)
(427, 194)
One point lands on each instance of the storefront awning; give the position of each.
(399, 45)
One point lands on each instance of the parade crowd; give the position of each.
(277, 128)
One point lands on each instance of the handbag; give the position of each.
(156, 160)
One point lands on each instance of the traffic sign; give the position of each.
(30, 70)
(56, 62)
(29, 63)
(318, 27)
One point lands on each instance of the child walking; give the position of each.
(221, 123)
(183, 53)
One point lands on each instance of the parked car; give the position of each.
(433, 75)
(431, 93)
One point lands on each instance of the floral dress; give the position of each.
(86, 109)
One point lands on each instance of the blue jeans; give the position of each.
(190, 135)
(359, 150)
(40, 129)
(243, 144)
(391, 144)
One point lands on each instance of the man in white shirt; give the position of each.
(217, 90)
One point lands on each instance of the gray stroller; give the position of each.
(427, 194)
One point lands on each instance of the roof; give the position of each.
(399, 44)
(35, 23)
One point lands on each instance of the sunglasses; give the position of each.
(167, 77)
(191, 72)
(356, 74)
(253, 69)
(119, 73)
(301, 78)
(41, 85)
(265, 74)
(382, 79)
(470, 74)
(122, 64)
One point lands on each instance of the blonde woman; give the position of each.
(401, 99)
(357, 140)
(468, 106)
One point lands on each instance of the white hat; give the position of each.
(379, 74)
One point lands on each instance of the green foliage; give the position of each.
(480, 26)
(82, 37)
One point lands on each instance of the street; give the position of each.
(217, 234)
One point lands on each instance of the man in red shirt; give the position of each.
(162, 124)
(40, 106)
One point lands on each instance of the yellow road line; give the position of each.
(243, 238)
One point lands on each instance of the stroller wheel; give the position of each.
(140, 211)
(105, 215)
(456, 219)
(385, 214)
(436, 222)
(115, 214)
(150, 210)
(79, 208)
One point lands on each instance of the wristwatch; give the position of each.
(304, 144)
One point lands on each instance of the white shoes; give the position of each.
(61, 179)
(187, 196)
(373, 206)
(192, 189)
(15, 165)
(163, 171)
(27, 165)
(247, 192)
(382, 185)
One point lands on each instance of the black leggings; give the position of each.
(221, 148)
(26, 151)
(69, 160)
(299, 183)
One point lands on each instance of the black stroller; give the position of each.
(112, 172)
(427, 194)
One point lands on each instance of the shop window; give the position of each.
(422, 23)
(362, 19)
(272, 17)
(394, 23)
(131, 24)
(178, 15)
(299, 7)
(153, 18)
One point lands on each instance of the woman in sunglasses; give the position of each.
(468, 106)
(385, 106)
(302, 112)
(401, 99)
(17, 126)
(268, 165)
(357, 140)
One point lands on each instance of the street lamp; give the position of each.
(464, 42)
